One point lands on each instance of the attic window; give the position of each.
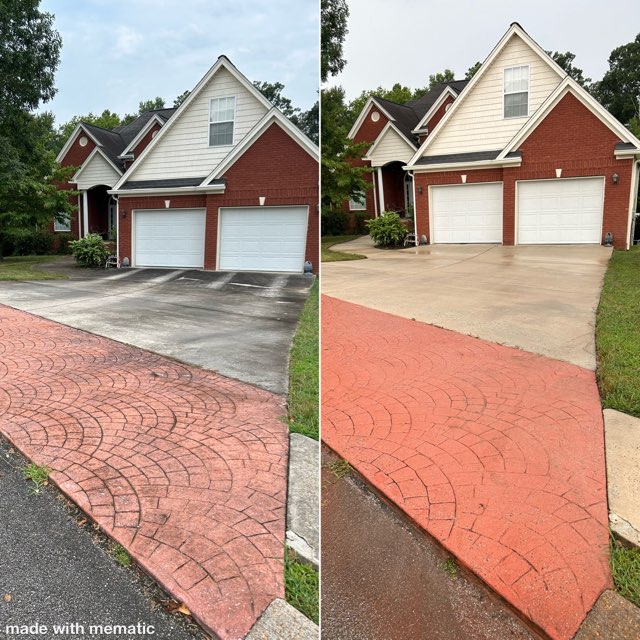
(516, 92)
(222, 113)
(83, 141)
(375, 116)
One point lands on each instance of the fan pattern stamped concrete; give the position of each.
(184, 467)
(496, 452)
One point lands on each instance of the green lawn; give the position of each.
(618, 334)
(302, 587)
(326, 255)
(26, 268)
(304, 370)
(625, 566)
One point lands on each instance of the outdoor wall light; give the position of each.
(608, 239)
(124, 213)
(616, 178)
(420, 190)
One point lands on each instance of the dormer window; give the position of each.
(222, 113)
(516, 92)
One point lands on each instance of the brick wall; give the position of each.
(570, 138)
(438, 115)
(275, 167)
(142, 145)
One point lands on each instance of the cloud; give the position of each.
(127, 41)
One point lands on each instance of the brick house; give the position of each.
(225, 182)
(523, 155)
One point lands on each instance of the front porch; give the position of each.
(393, 190)
(97, 212)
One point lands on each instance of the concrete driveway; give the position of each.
(538, 298)
(238, 324)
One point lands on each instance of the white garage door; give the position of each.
(560, 211)
(169, 238)
(263, 238)
(467, 213)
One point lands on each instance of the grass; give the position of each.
(340, 468)
(304, 370)
(326, 255)
(618, 334)
(38, 474)
(302, 585)
(451, 568)
(26, 268)
(625, 566)
(121, 555)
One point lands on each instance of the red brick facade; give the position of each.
(438, 115)
(274, 167)
(570, 138)
(142, 145)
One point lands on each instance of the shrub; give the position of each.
(361, 218)
(334, 223)
(388, 230)
(63, 240)
(26, 242)
(90, 251)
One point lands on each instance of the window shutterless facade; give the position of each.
(516, 92)
(358, 203)
(222, 113)
(64, 226)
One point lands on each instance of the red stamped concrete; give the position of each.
(182, 466)
(497, 453)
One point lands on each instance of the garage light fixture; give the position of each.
(616, 178)
(124, 213)
(608, 239)
(420, 190)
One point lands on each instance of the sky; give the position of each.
(407, 40)
(116, 53)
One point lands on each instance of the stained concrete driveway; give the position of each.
(539, 298)
(238, 324)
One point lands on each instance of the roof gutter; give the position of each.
(168, 191)
(452, 166)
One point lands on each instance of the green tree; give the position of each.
(107, 120)
(333, 31)
(340, 180)
(181, 98)
(308, 123)
(565, 60)
(29, 56)
(619, 89)
(150, 105)
(471, 71)
(398, 94)
(438, 78)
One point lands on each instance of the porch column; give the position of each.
(79, 217)
(375, 194)
(380, 190)
(85, 213)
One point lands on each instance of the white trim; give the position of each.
(285, 206)
(504, 93)
(79, 217)
(128, 151)
(381, 135)
(86, 163)
(448, 91)
(514, 29)
(375, 194)
(633, 196)
(415, 209)
(363, 114)
(450, 166)
(516, 209)
(233, 131)
(215, 188)
(566, 86)
(72, 138)
(222, 61)
(85, 213)
(623, 154)
(117, 228)
(272, 116)
(381, 190)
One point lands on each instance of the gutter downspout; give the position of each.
(375, 194)
(117, 199)
(415, 207)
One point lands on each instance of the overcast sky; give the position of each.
(116, 53)
(407, 40)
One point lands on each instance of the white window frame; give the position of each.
(505, 93)
(233, 132)
(60, 227)
(354, 205)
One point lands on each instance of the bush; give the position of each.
(361, 218)
(63, 240)
(388, 230)
(90, 251)
(26, 242)
(334, 223)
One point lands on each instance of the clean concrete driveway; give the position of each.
(238, 324)
(539, 298)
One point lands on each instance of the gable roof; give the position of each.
(272, 116)
(97, 151)
(437, 103)
(363, 114)
(514, 30)
(425, 103)
(222, 62)
(381, 137)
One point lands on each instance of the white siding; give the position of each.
(184, 150)
(391, 147)
(478, 123)
(97, 171)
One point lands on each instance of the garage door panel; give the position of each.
(560, 211)
(467, 213)
(263, 238)
(169, 238)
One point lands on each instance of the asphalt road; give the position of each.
(53, 573)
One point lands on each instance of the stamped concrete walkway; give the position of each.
(182, 466)
(496, 452)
